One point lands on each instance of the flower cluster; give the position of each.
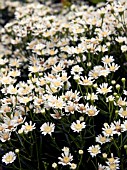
(61, 86)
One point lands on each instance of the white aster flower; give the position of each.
(104, 89)
(66, 157)
(118, 128)
(28, 127)
(94, 150)
(76, 70)
(108, 130)
(123, 112)
(47, 128)
(124, 126)
(102, 139)
(78, 126)
(107, 59)
(92, 111)
(9, 157)
(86, 81)
(91, 96)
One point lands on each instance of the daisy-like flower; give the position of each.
(102, 139)
(107, 59)
(92, 111)
(123, 112)
(9, 157)
(28, 127)
(94, 74)
(24, 99)
(76, 70)
(47, 128)
(125, 92)
(5, 135)
(104, 89)
(66, 157)
(86, 81)
(124, 126)
(94, 150)
(113, 163)
(78, 126)
(121, 102)
(110, 98)
(91, 96)
(101, 167)
(108, 130)
(113, 67)
(104, 72)
(34, 69)
(118, 128)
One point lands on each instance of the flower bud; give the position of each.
(16, 150)
(80, 152)
(54, 165)
(117, 86)
(104, 155)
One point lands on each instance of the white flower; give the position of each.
(78, 126)
(66, 157)
(47, 128)
(118, 128)
(86, 81)
(123, 112)
(91, 96)
(92, 111)
(107, 59)
(94, 150)
(110, 98)
(5, 135)
(102, 139)
(9, 157)
(101, 167)
(28, 127)
(124, 126)
(121, 102)
(113, 163)
(113, 67)
(76, 70)
(125, 92)
(124, 48)
(108, 130)
(104, 89)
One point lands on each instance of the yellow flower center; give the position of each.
(124, 113)
(111, 160)
(71, 108)
(78, 126)
(104, 90)
(9, 158)
(86, 81)
(94, 150)
(107, 60)
(108, 131)
(28, 127)
(47, 129)
(112, 166)
(91, 112)
(52, 52)
(103, 139)
(66, 159)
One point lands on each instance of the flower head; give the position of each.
(9, 157)
(47, 128)
(78, 126)
(94, 150)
